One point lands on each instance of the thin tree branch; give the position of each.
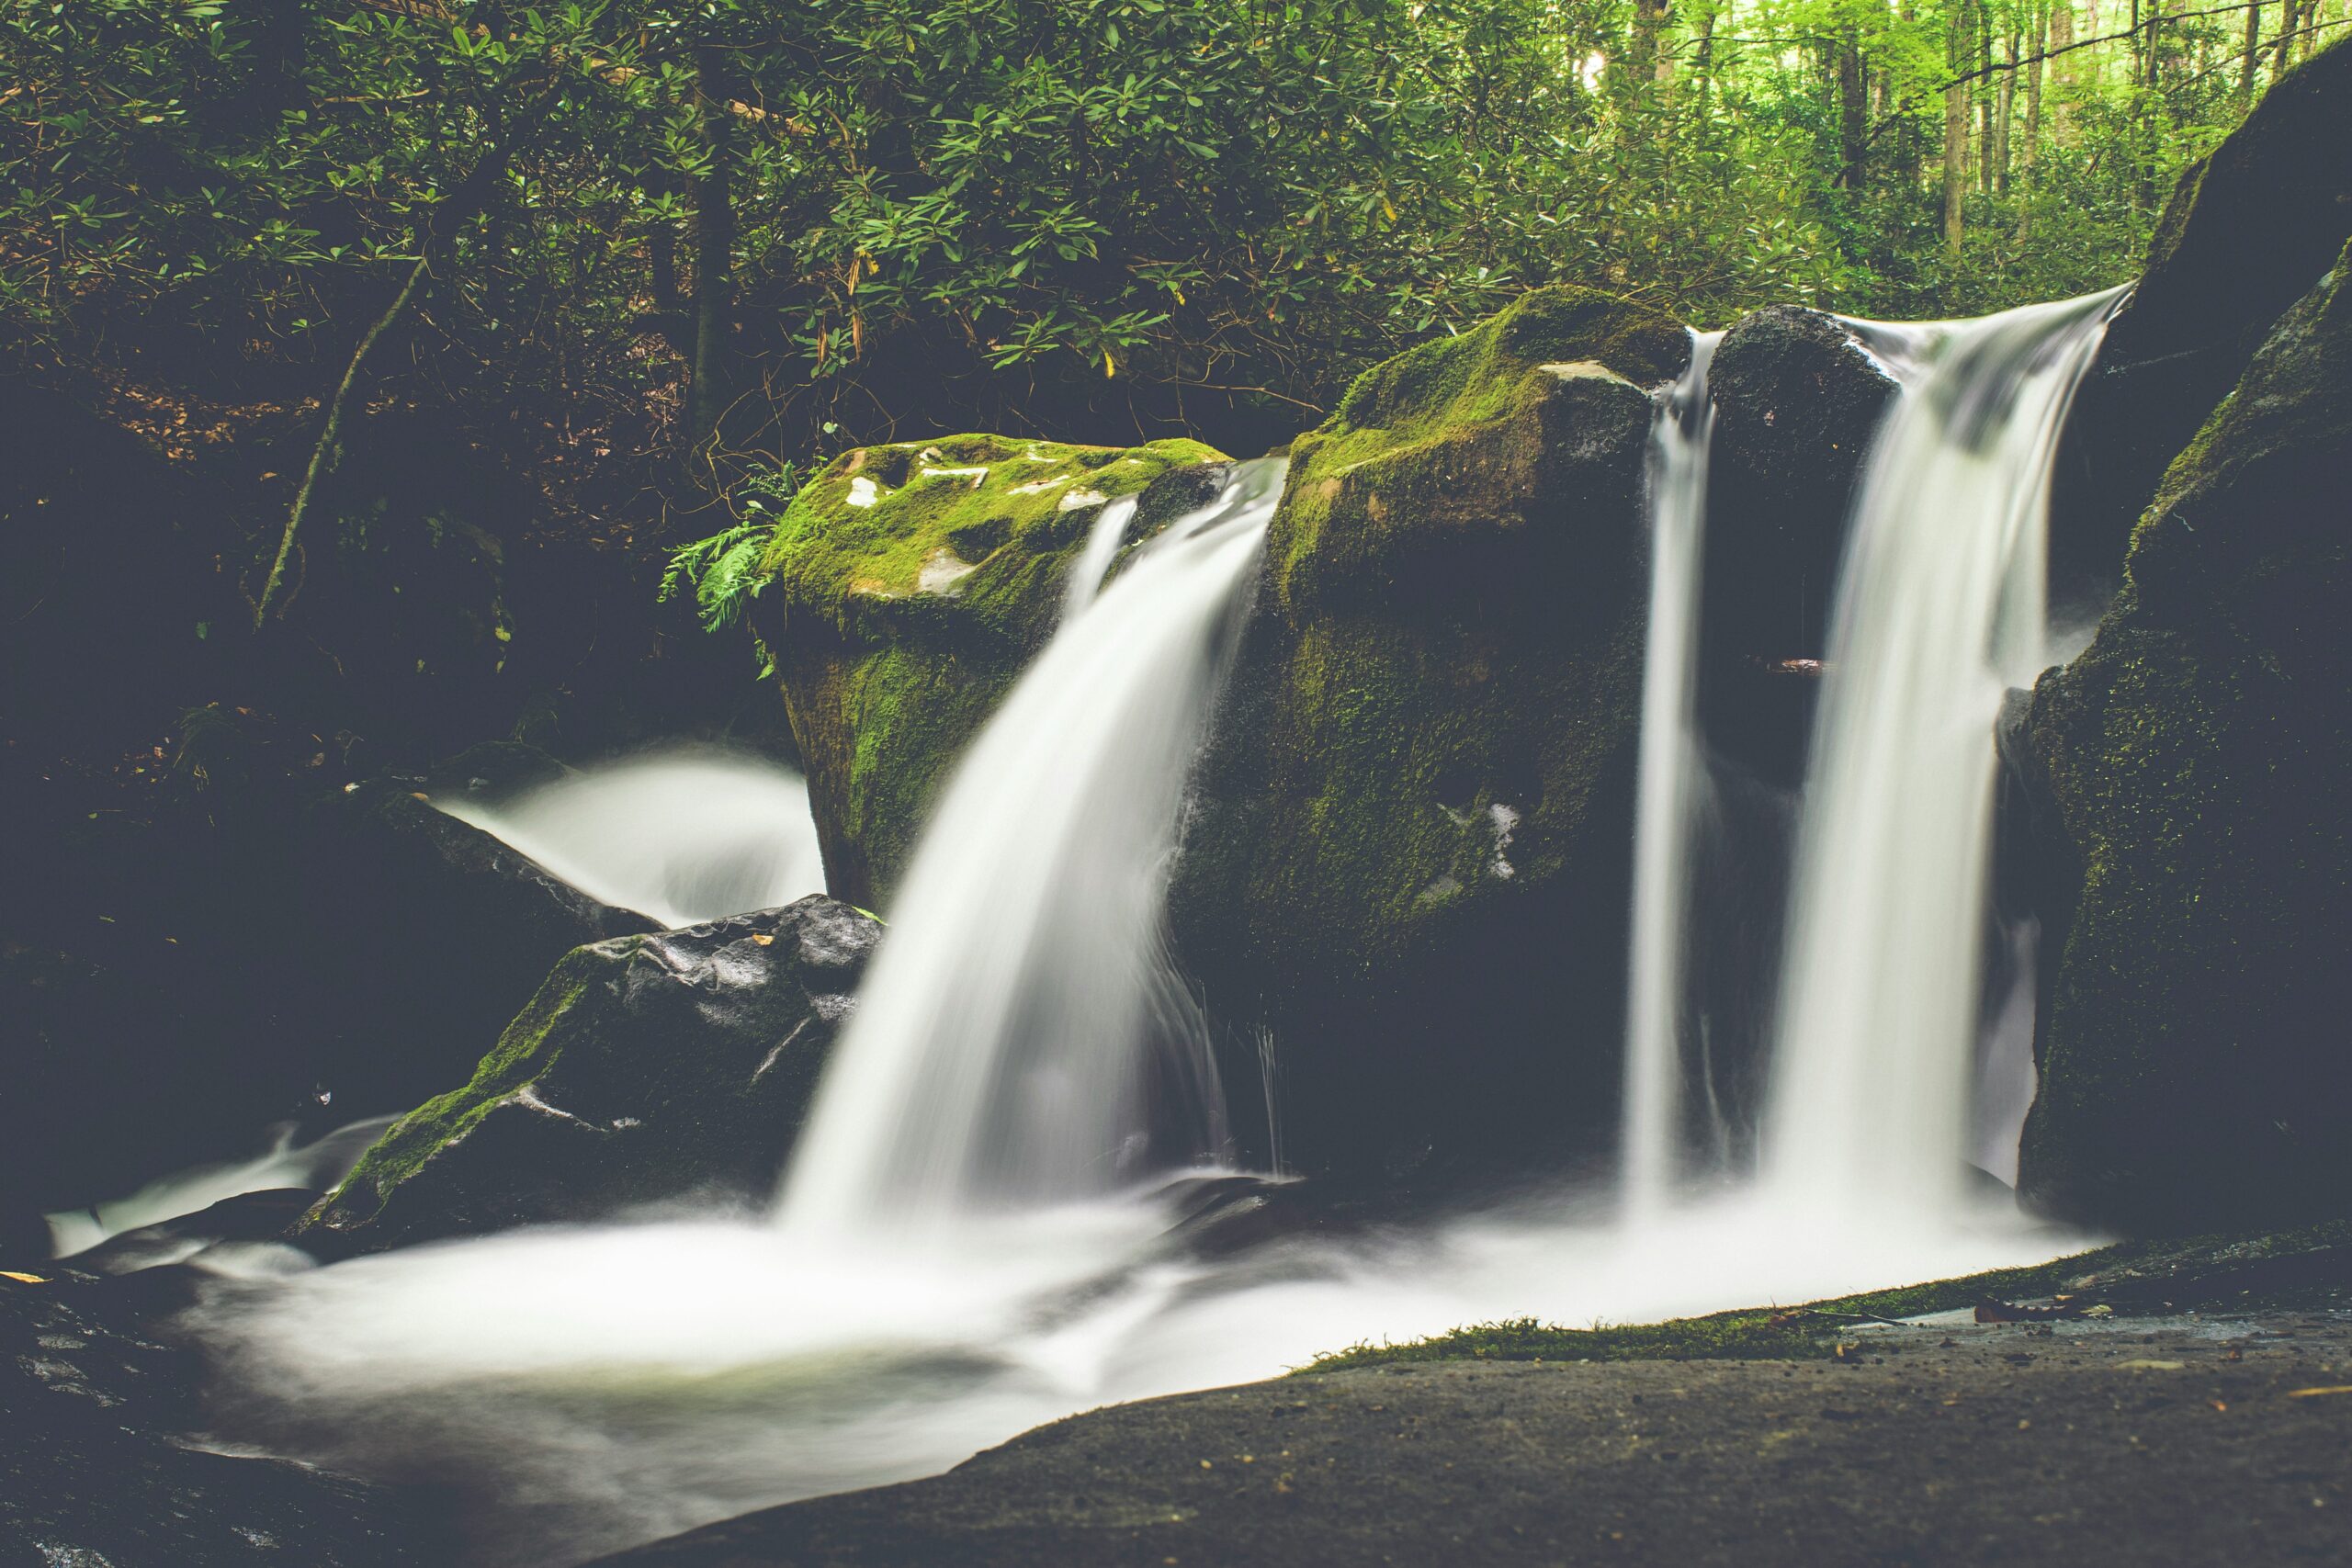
(326, 440)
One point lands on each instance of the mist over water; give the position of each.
(589, 1388)
(681, 835)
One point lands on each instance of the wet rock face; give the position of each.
(1405, 853)
(1797, 403)
(2192, 1047)
(91, 1473)
(648, 1067)
(2247, 228)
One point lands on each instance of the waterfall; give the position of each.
(1669, 786)
(1941, 608)
(1021, 1037)
(686, 834)
(1102, 542)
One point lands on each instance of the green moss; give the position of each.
(1405, 856)
(1453, 421)
(2243, 1271)
(983, 519)
(897, 626)
(521, 1055)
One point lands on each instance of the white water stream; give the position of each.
(1941, 606)
(314, 1166)
(681, 835)
(1669, 787)
(1023, 1036)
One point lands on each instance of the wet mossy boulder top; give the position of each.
(2192, 1046)
(647, 1068)
(976, 529)
(1469, 455)
(907, 585)
(1405, 855)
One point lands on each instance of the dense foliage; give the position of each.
(756, 230)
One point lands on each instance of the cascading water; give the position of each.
(1102, 542)
(1022, 1035)
(1669, 785)
(630, 1379)
(1941, 608)
(681, 835)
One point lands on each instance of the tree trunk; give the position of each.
(1853, 113)
(2247, 62)
(2037, 43)
(709, 381)
(1704, 64)
(1641, 50)
(1956, 52)
(321, 453)
(2005, 107)
(2281, 45)
(1984, 96)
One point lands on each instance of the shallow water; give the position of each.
(586, 1388)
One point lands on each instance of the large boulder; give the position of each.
(2192, 1049)
(1406, 857)
(904, 589)
(2248, 227)
(647, 1068)
(1797, 402)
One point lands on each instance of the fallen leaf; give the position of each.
(2144, 1365)
(28, 1278)
(2291, 1393)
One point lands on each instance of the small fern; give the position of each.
(722, 571)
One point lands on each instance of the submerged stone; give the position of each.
(647, 1068)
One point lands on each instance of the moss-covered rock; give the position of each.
(905, 587)
(1405, 856)
(2248, 227)
(2193, 1055)
(428, 931)
(646, 1068)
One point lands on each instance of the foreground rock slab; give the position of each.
(99, 1468)
(2195, 1441)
